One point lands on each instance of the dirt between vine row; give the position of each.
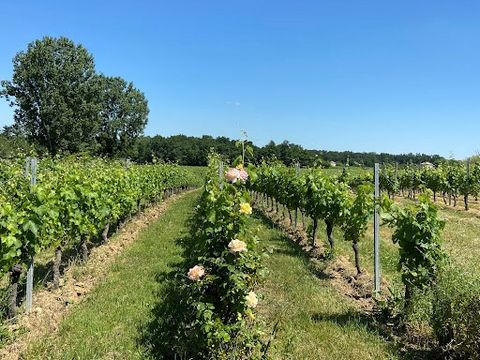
(78, 281)
(340, 271)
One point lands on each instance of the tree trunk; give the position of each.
(84, 250)
(15, 273)
(465, 199)
(290, 216)
(56, 266)
(105, 233)
(450, 199)
(444, 199)
(434, 196)
(314, 231)
(331, 241)
(357, 258)
(454, 200)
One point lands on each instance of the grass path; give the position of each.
(108, 324)
(314, 320)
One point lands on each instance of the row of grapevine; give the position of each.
(213, 306)
(451, 180)
(436, 292)
(330, 199)
(320, 198)
(74, 202)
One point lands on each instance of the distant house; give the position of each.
(333, 163)
(427, 164)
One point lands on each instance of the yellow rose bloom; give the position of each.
(245, 208)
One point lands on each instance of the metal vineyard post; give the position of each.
(30, 171)
(376, 230)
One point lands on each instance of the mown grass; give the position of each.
(109, 323)
(314, 320)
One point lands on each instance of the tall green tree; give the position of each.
(124, 115)
(55, 93)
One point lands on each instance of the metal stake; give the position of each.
(376, 234)
(30, 170)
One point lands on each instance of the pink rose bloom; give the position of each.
(243, 176)
(232, 175)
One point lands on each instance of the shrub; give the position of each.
(214, 315)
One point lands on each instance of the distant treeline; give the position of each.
(188, 150)
(193, 151)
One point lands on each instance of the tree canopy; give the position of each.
(189, 150)
(123, 114)
(63, 105)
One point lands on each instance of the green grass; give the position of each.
(109, 323)
(314, 320)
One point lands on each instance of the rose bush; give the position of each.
(215, 303)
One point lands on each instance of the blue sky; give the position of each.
(385, 76)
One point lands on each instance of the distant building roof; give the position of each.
(427, 164)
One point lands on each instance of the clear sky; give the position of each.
(385, 76)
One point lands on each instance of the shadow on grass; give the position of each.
(162, 337)
(357, 319)
(292, 248)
